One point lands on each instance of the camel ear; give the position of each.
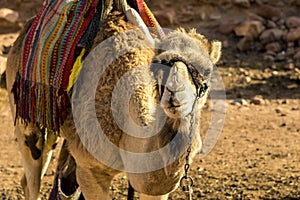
(215, 51)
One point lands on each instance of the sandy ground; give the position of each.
(257, 155)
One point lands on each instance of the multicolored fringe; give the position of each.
(149, 18)
(47, 59)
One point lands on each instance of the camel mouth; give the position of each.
(174, 111)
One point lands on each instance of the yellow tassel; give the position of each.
(75, 70)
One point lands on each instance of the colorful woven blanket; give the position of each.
(49, 54)
(47, 59)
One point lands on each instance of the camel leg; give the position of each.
(147, 197)
(65, 183)
(28, 138)
(50, 143)
(94, 182)
(36, 153)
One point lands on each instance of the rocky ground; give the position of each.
(258, 153)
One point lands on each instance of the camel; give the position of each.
(167, 84)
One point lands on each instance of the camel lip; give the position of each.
(175, 106)
(168, 107)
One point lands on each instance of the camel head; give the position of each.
(182, 68)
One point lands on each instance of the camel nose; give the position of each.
(175, 82)
(173, 100)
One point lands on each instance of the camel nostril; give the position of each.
(173, 101)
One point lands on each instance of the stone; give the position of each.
(254, 17)
(245, 43)
(242, 3)
(281, 56)
(225, 44)
(271, 35)
(269, 12)
(245, 79)
(289, 66)
(275, 73)
(274, 47)
(271, 53)
(292, 22)
(290, 52)
(297, 56)
(226, 3)
(271, 24)
(239, 102)
(292, 86)
(215, 17)
(227, 27)
(297, 3)
(9, 15)
(293, 35)
(257, 100)
(268, 57)
(165, 18)
(291, 44)
(249, 28)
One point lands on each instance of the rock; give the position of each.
(245, 43)
(9, 15)
(271, 53)
(274, 47)
(2, 64)
(275, 73)
(269, 12)
(226, 3)
(281, 56)
(227, 27)
(297, 56)
(278, 110)
(292, 22)
(244, 72)
(225, 44)
(239, 102)
(215, 17)
(268, 57)
(245, 79)
(8, 20)
(271, 24)
(293, 35)
(290, 52)
(272, 35)
(249, 28)
(289, 66)
(291, 44)
(242, 3)
(257, 100)
(254, 17)
(297, 3)
(292, 86)
(164, 17)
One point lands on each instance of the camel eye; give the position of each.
(165, 62)
(156, 61)
(207, 72)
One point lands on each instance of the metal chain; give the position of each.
(187, 182)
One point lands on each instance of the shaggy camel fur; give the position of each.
(173, 89)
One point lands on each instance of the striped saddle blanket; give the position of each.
(49, 52)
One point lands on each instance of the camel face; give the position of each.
(180, 93)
